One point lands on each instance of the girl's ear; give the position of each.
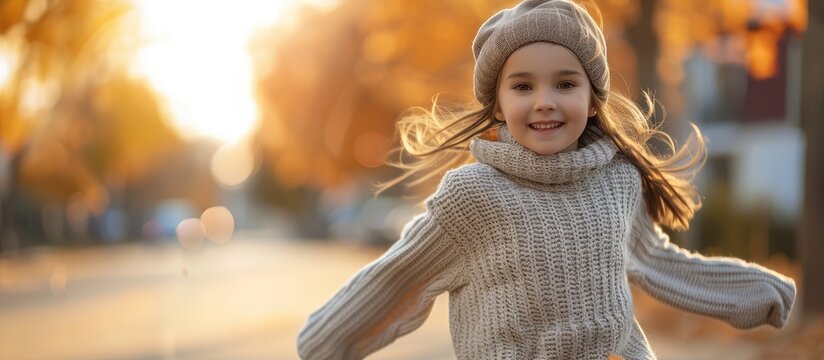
(592, 111)
(499, 115)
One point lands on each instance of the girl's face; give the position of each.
(544, 97)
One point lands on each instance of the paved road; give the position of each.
(241, 300)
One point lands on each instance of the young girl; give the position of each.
(537, 241)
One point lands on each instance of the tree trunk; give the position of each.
(811, 234)
(645, 43)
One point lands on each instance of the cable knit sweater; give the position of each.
(536, 253)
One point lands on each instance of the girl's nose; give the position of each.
(545, 101)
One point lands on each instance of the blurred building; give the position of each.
(753, 177)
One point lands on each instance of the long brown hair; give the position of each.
(437, 139)
(670, 196)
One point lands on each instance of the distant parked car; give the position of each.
(373, 220)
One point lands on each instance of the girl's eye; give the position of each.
(565, 85)
(521, 87)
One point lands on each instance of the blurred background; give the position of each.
(190, 179)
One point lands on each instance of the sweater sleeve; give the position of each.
(743, 294)
(388, 298)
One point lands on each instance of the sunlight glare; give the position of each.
(196, 55)
(6, 65)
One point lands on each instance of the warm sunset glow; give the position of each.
(6, 65)
(196, 55)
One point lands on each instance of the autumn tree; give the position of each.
(72, 121)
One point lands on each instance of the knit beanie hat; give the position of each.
(560, 22)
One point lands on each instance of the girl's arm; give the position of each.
(743, 294)
(386, 299)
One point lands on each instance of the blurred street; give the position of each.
(241, 300)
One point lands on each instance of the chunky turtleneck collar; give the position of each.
(512, 158)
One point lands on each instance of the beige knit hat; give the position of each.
(560, 22)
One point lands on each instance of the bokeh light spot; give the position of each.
(233, 163)
(190, 233)
(152, 229)
(218, 224)
(379, 47)
(370, 149)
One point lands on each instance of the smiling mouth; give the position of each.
(546, 125)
